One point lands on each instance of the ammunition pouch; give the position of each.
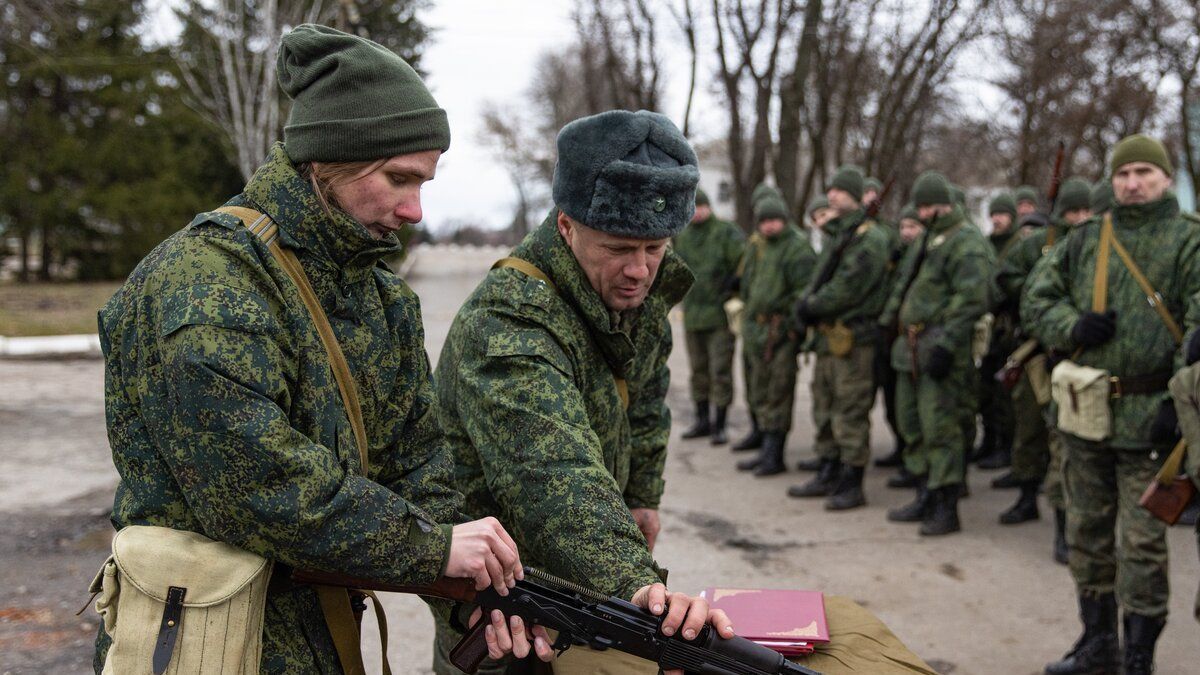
(839, 338)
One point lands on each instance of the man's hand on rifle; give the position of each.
(647, 522)
(483, 551)
(685, 615)
(511, 637)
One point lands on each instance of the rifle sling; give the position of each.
(335, 601)
(1108, 243)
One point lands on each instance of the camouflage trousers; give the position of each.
(995, 406)
(772, 369)
(1115, 545)
(1053, 486)
(932, 417)
(843, 393)
(1031, 438)
(710, 354)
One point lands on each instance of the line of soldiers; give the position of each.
(955, 326)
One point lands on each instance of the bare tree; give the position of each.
(1173, 27)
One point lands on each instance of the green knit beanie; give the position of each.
(1003, 203)
(817, 204)
(850, 179)
(770, 208)
(631, 174)
(353, 100)
(763, 190)
(872, 183)
(931, 188)
(909, 212)
(1140, 148)
(1074, 193)
(1101, 198)
(701, 197)
(958, 195)
(1026, 193)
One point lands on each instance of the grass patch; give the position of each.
(52, 309)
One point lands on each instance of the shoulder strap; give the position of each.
(1100, 280)
(1171, 468)
(1152, 296)
(529, 269)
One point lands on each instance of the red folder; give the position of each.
(790, 622)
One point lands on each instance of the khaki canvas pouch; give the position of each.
(213, 625)
(1082, 396)
(734, 307)
(838, 337)
(981, 337)
(1039, 378)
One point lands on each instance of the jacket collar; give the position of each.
(1136, 215)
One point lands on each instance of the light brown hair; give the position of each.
(325, 176)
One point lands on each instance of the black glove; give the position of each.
(940, 360)
(804, 312)
(1193, 349)
(1165, 428)
(731, 285)
(1093, 329)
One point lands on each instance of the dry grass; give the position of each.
(52, 309)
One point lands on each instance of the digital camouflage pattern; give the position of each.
(775, 273)
(534, 418)
(710, 355)
(225, 419)
(859, 287)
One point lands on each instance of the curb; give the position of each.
(50, 346)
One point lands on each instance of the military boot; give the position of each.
(718, 437)
(771, 459)
(914, 511)
(753, 440)
(1141, 632)
(942, 516)
(998, 458)
(821, 484)
(701, 427)
(902, 480)
(1097, 650)
(849, 493)
(1007, 481)
(1060, 536)
(813, 464)
(1026, 508)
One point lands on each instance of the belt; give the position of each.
(764, 319)
(1146, 384)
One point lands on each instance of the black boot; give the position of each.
(718, 437)
(821, 484)
(998, 458)
(1026, 508)
(914, 511)
(753, 440)
(942, 517)
(1060, 536)
(902, 480)
(1097, 650)
(771, 459)
(702, 427)
(896, 458)
(1141, 632)
(1007, 481)
(849, 493)
(813, 464)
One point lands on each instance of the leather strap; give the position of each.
(1170, 468)
(530, 270)
(339, 618)
(1100, 281)
(1147, 384)
(1108, 239)
(168, 629)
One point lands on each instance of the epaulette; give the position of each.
(862, 229)
(225, 220)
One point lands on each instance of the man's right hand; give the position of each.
(483, 551)
(1094, 329)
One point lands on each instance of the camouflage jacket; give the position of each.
(952, 288)
(535, 418)
(1166, 245)
(712, 250)
(1016, 267)
(224, 417)
(1003, 244)
(775, 273)
(858, 289)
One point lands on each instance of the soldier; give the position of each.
(222, 413)
(871, 188)
(712, 248)
(1101, 199)
(844, 311)
(553, 378)
(1027, 200)
(944, 290)
(995, 406)
(1136, 344)
(1036, 457)
(908, 229)
(776, 272)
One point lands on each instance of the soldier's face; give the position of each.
(620, 269)
(1025, 207)
(389, 197)
(1139, 183)
(840, 201)
(703, 211)
(869, 196)
(1001, 223)
(822, 216)
(910, 229)
(1076, 216)
(771, 227)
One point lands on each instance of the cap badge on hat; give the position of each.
(660, 204)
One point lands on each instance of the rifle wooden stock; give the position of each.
(446, 588)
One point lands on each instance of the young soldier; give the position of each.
(553, 378)
(1118, 551)
(944, 289)
(995, 406)
(776, 272)
(843, 313)
(712, 248)
(1027, 200)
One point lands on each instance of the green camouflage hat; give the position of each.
(770, 208)
(1003, 203)
(849, 178)
(763, 190)
(1026, 193)
(817, 204)
(872, 183)
(1074, 193)
(701, 197)
(931, 188)
(1140, 148)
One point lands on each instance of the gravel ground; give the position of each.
(988, 600)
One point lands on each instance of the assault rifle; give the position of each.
(584, 617)
(825, 274)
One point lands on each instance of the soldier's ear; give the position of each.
(566, 228)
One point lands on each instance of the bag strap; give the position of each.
(1170, 468)
(530, 270)
(1152, 296)
(1100, 281)
(334, 600)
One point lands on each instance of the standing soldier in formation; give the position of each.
(553, 378)
(1131, 333)
(944, 289)
(843, 311)
(776, 272)
(1027, 200)
(995, 406)
(712, 248)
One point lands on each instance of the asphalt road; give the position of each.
(988, 600)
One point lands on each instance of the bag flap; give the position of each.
(1081, 376)
(155, 558)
